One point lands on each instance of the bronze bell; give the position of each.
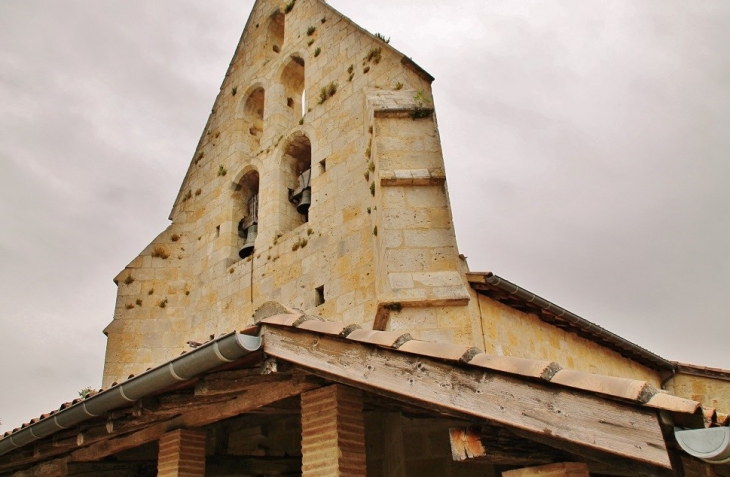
(247, 248)
(305, 202)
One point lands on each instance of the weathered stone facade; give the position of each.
(308, 89)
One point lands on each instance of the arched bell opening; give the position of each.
(292, 78)
(296, 167)
(275, 32)
(253, 115)
(247, 202)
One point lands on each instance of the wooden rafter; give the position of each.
(603, 429)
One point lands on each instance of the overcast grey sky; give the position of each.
(586, 146)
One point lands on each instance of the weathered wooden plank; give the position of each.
(562, 414)
(235, 382)
(259, 396)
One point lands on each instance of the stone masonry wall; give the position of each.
(513, 333)
(189, 283)
(712, 393)
(309, 88)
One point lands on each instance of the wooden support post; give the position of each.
(333, 433)
(571, 469)
(182, 454)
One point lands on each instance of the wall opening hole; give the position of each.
(319, 295)
(323, 165)
(217, 231)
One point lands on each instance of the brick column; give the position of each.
(572, 469)
(182, 454)
(333, 433)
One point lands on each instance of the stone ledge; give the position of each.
(418, 177)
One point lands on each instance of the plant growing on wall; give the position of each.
(160, 252)
(317, 51)
(381, 37)
(289, 6)
(311, 30)
(327, 92)
(86, 392)
(422, 109)
(373, 55)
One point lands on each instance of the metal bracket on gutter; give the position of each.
(212, 354)
(711, 445)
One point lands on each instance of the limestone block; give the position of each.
(400, 280)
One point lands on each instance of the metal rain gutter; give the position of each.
(212, 354)
(711, 445)
(581, 323)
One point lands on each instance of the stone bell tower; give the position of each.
(319, 183)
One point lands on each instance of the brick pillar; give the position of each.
(182, 454)
(333, 433)
(571, 469)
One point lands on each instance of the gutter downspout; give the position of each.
(582, 323)
(212, 354)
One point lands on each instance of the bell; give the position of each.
(305, 202)
(247, 248)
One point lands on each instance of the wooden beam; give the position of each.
(235, 382)
(600, 462)
(561, 414)
(258, 396)
(499, 446)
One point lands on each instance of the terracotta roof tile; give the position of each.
(447, 351)
(530, 368)
(670, 402)
(380, 338)
(324, 327)
(283, 320)
(631, 389)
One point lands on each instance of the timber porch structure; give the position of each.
(296, 395)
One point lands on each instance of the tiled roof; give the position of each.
(514, 296)
(637, 392)
(696, 370)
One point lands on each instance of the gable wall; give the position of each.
(190, 283)
(379, 241)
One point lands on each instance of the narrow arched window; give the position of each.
(248, 209)
(292, 78)
(275, 37)
(296, 172)
(253, 112)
